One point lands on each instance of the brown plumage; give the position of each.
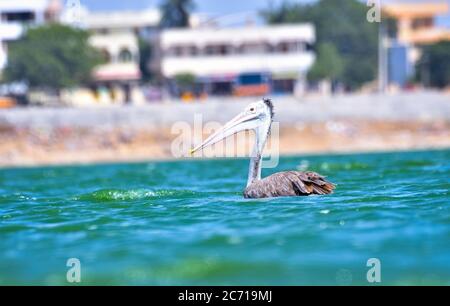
(289, 183)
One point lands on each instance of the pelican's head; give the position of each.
(256, 116)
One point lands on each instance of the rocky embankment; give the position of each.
(35, 136)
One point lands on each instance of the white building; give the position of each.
(16, 14)
(241, 61)
(117, 35)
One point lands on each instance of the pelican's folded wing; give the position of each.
(289, 183)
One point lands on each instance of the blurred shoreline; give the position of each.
(336, 124)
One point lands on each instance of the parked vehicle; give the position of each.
(7, 102)
(252, 84)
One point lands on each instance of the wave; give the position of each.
(133, 194)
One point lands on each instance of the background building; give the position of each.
(117, 35)
(240, 61)
(16, 15)
(415, 22)
(410, 26)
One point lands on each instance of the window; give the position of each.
(252, 48)
(209, 50)
(292, 46)
(283, 47)
(220, 49)
(192, 50)
(106, 56)
(421, 23)
(18, 17)
(103, 31)
(180, 50)
(223, 49)
(125, 56)
(177, 51)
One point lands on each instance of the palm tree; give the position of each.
(175, 13)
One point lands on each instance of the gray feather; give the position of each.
(289, 183)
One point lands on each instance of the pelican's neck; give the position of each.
(254, 171)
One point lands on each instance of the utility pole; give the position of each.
(382, 59)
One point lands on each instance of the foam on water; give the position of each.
(129, 195)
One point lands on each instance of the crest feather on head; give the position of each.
(269, 104)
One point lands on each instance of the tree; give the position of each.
(175, 13)
(434, 67)
(185, 81)
(52, 57)
(328, 65)
(343, 24)
(145, 55)
(286, 12)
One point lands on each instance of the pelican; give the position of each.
(258, 117)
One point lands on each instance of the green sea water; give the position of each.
(186, 223)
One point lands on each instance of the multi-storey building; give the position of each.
(18, 14)
(116, 35)
(411, 25)
(240, 61)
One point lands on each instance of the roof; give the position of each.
(201, 36)
(23, 5)
(422, 9)
(122, 19)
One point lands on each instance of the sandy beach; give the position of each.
(41, 136)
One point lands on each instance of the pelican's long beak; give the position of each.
(239, 123)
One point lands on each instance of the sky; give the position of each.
(213, 7)
(203, 6)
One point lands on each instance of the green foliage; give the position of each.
(145, 55)
(434, 66)
(328, 65)
(286, 12)
(52, 57)
(185, 81)
(175, 13)
(343, 24)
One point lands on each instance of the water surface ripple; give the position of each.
(185, 222)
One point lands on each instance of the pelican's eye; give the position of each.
(252, 109)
